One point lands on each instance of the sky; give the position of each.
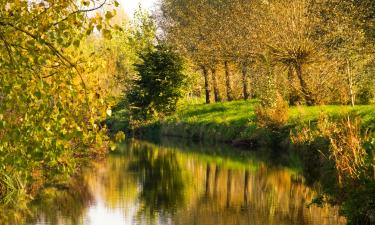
(131, 5)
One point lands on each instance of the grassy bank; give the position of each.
(233, 121)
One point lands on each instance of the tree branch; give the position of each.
(7, 48)
(79, 11)
(50, 46)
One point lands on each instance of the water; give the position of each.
(144, 183)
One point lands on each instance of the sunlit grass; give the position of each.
(242, 112)
(228, 121)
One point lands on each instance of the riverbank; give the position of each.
(235, 122)
(334, 142)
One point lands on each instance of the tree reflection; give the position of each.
(208, 175)
(150, 184)
(59, 205)
(246, 189)
(229, 187)
(216, 181)
(64, 205)
(222, 190)
(161, 180)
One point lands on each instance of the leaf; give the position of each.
(109, 112)
(86, 3)
(120, 136)
(107, 34)
(108, 15)
(76, 43)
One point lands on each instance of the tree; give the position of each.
(321, 50)
(160, 83)
(49, 105)
(343, 29)
(215, 85)
(237, 37)
(186, 25)
(143, 32)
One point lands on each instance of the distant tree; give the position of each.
(160, 83)
(190, 25)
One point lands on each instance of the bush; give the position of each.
(346, 148)
(272, 117)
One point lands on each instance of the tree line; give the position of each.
(310, 52)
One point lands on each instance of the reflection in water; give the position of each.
(161, 182)
(144, 183)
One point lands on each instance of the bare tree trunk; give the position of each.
(206, 85)
(244, 82)
(350, 82)
(228, 82)
(216, 87)
(304, 88)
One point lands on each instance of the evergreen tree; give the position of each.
(159, 85)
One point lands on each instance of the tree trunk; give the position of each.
(350, 83)
(294, 97)
(228, 82)
(304, 88)
(244, 82)
(216, 88)
(206, 85)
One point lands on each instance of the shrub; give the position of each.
(345, 147)
(345, 144)
(273, 117)
(341, 146)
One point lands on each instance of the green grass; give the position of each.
(236, 120)
(312, 113)
(234, 113)
(229, 121)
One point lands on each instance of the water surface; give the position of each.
(181, 183)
